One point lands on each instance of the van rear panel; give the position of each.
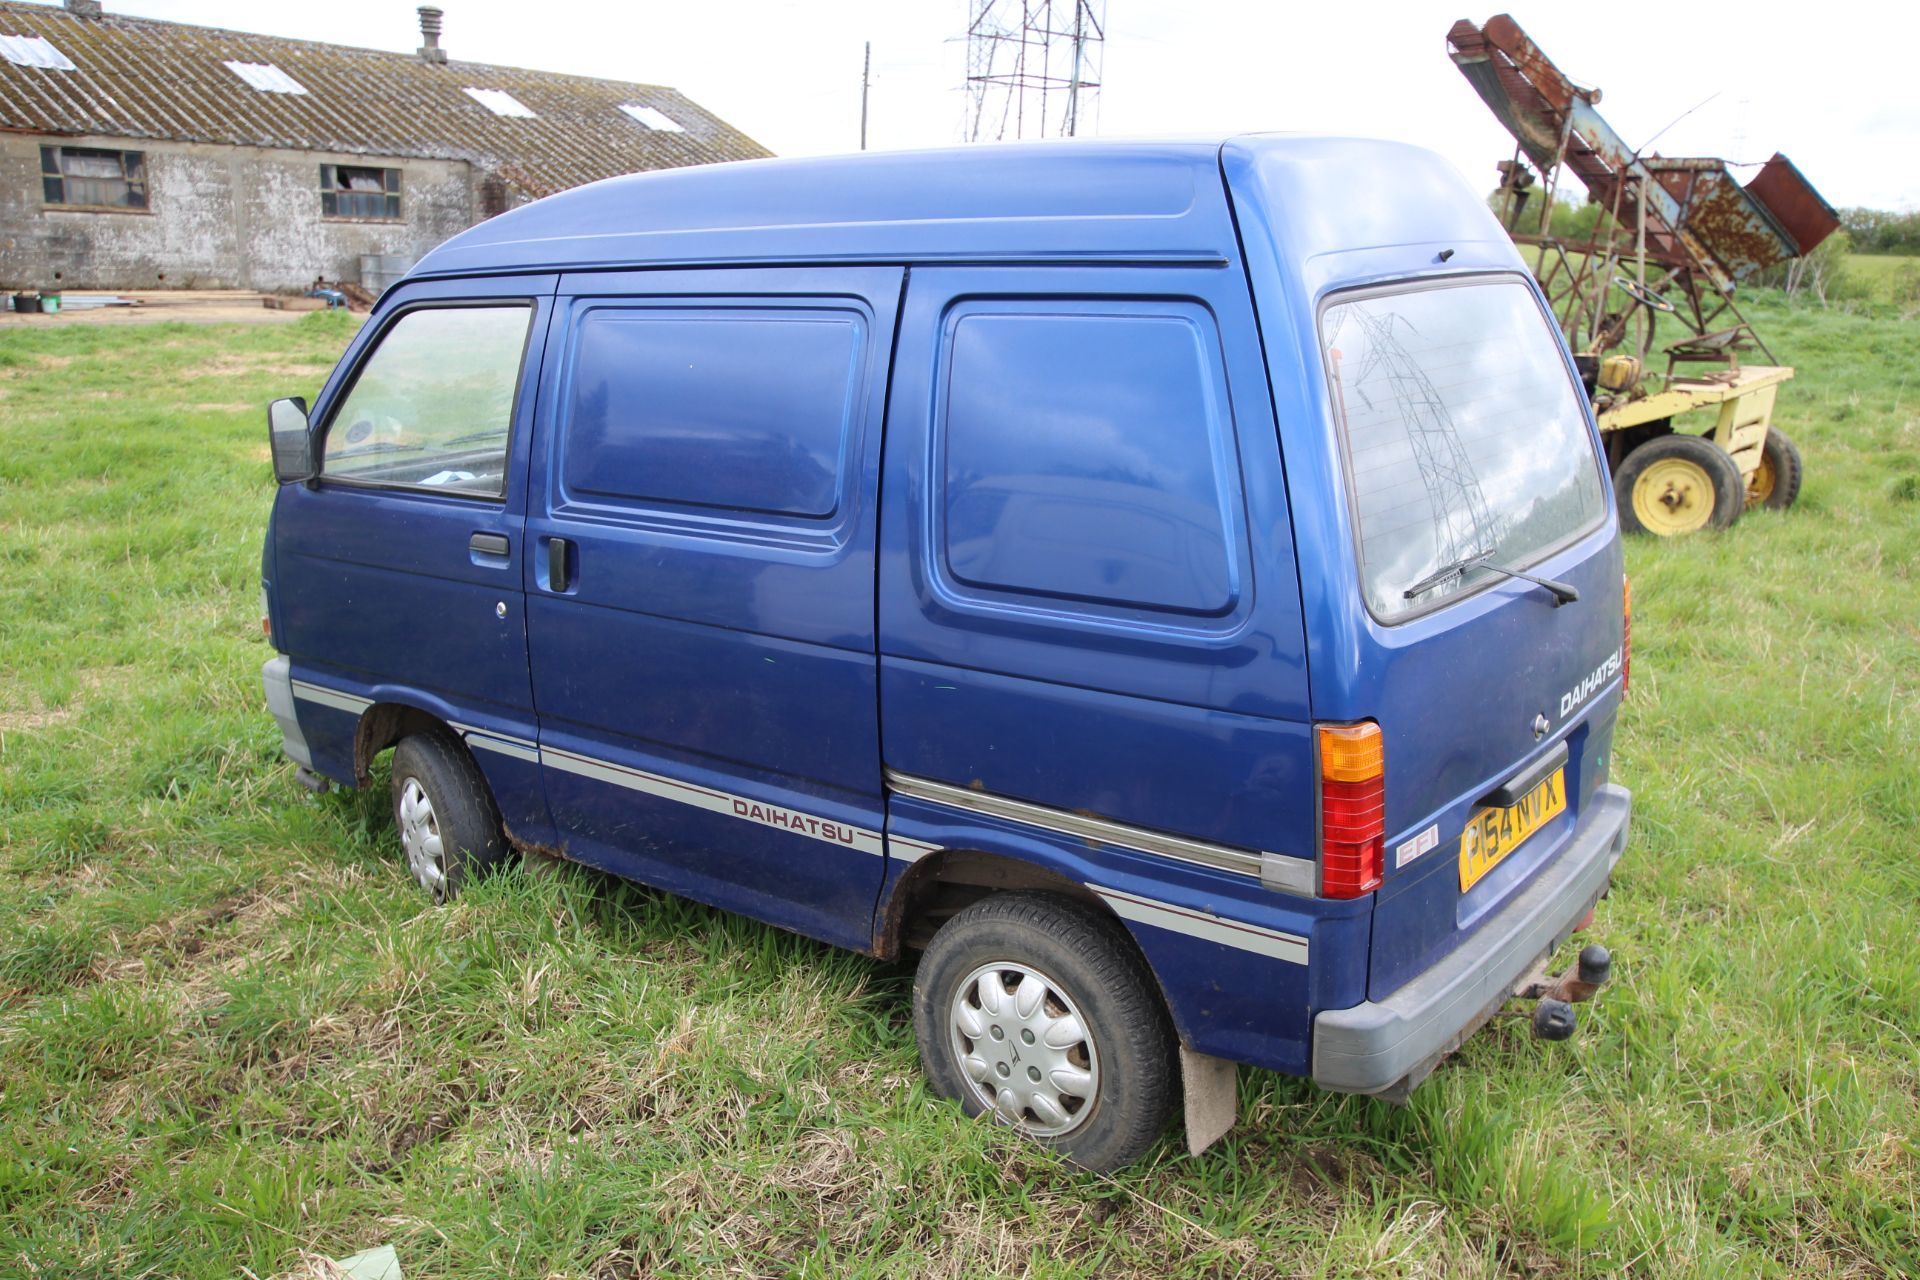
(1437, 435)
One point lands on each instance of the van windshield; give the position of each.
(1465, 438)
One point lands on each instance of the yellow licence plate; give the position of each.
(1492, 833)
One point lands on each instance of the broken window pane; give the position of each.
(351, 191)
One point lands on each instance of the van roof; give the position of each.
(1068, 200)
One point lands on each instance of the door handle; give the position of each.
(557, 579)
(489, 544)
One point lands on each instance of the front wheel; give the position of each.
(449, 827)
(1676, 484)
(1041, 1012)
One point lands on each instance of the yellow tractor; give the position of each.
(1674, 238)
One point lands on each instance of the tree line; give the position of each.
(1882, 230)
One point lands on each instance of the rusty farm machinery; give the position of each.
(1653, 283)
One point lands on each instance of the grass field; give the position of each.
(232, 1033)
(1884, 280)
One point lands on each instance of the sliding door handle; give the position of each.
(557, 576)
(489, 544)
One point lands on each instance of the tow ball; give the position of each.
(1557, 993)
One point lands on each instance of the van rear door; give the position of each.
(1468, 449)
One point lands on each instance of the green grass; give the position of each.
(1884, 279)
(231, 1033)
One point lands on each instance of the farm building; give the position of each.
(137, 154)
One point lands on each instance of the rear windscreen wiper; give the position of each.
(1562, 592)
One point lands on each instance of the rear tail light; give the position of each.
(1626, 633)
(266, 614)
(1353, 809)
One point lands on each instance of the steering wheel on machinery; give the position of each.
(1643, 295)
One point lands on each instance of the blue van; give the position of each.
(1174, 588)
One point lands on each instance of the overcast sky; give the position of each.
(1832, 89)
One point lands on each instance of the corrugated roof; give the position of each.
(140, 78)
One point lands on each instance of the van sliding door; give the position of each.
(700, 585)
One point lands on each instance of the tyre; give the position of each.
(1676, 484)
(449, 828)
(1041, 1011)
(1776, 483)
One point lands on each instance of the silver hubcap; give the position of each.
(1024, 1049)
(420, 837)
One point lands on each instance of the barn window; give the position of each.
(350, 191)
(92, 178)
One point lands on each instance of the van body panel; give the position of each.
(717, 620)
(379, 593)
(1241, 781)
(1092, 689)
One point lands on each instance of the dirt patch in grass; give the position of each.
(33, 366)
(33, 712)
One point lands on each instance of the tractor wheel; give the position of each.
(1776, 483)
(1678, 484)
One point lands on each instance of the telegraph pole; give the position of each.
(866, 79)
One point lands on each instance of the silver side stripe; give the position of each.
(307, 691)
(505, 744)
(1276, 871)
(480, 740)
(793, 821)
(767, 815)
(909, 850)
(1206, 926)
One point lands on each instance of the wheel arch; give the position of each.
(952, 878)
(946, 880)
(384, 724)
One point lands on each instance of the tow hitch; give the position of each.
(1557, 993)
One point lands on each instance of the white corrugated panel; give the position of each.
(265, 77)
(34, 51)
(657, 120)
(499, 101)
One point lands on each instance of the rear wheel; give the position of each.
(449, 827)
(1676, 484)
(1039, 1011)
(1776, 482)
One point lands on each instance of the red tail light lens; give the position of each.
(1353, 809)
(1626, 633)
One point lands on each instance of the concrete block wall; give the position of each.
(218, 217)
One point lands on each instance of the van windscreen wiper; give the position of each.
(1562, 592)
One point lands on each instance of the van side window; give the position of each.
(746, 408)
(432, 405)
(1086, 454)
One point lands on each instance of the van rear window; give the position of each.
(1464, 435)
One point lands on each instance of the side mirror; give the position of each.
(292, 442)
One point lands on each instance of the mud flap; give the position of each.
(1210, 1087)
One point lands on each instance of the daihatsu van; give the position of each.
(1173, 588)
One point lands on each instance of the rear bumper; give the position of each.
(1388, 1046)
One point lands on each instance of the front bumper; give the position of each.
(277, 675)
(1388, 1046)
